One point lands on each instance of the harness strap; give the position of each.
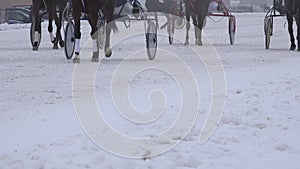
(45, 4)
(83, 5)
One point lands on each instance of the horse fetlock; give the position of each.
(76, 58)
(54, 41)
(108, 52)
(199, 43)
(293, 46)
(52, 38)
(95, 57)
(62, 43)
(186, 42)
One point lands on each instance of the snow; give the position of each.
(39, 127)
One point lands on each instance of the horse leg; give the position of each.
(37, 19)
(58, 22)
(298, 29)
(291, 31)
(51, 13)
(108, 12)
(188, 27)
(93, 19)
(58, 28)
(197, 30)
(77, 33)
(108, 51)
(200, 25)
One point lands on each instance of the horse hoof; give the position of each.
(76, 59)
(186, 43)
(35, 48)
(55, 46)
(55, 41)
(95, 57)
(108, 53)
(293, 47)
(62, 44)
(199, 43)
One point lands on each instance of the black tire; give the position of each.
(232, 29)
(268, 33)
(151, 40)
(32, 30)
(69, 40)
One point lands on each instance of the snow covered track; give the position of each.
(259, 128)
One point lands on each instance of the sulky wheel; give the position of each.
(179, 22)
(151, 40)
(232, 29)
(171, 27)
(69, 40)
(268, 31)
(32, 33)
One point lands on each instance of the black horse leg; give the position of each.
(93, 20)
(51, 12)
(77, 33)
(197, 28)
(108, 12)
(188, 27)
(200, 26)
(37, 19)
(298, 29)
(290, 28)
(58, 22)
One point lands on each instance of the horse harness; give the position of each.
(84, 5)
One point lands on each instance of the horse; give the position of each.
(198, 10)
(92, 8)
(293, 11)
(51, 6)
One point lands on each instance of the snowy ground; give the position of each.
(39, 127)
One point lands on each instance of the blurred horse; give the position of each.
(92, 8)
(51, 6)
(198, 10)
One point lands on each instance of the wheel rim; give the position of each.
(32, 33)
(268, 33)
(232, 30)
(171, 29)
(151, 38)
(179, 22)
(69, 40)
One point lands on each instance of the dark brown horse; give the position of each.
(51, 6)
(293, 11)
(92, 8)
(198, 10)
